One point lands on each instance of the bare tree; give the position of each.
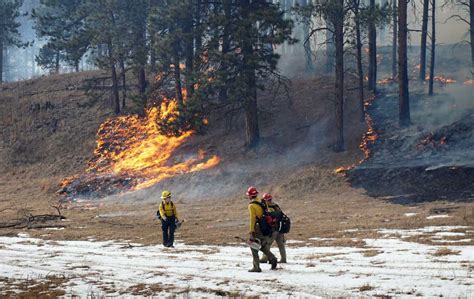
(372, 74)
(424, 34)
(394, 38)
(360, 70)
(403, 94)
(433, 46)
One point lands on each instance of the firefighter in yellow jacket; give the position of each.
(280, 238)
(169, 218)
(255, 214)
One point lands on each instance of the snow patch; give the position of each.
(437, 216)
(400, 269)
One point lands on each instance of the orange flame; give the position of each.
(133, 146)
(469, 82)
(369, 138)
(441, 79)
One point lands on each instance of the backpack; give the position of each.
(158, 215)
(273, 221)
(284, 225)
(269, 222)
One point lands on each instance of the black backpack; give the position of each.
(283, 221)
(284, 225)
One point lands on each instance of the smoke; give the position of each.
(453, 103)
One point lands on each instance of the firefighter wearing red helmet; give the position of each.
(255, 208)
(280, 238)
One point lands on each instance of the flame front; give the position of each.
(133, 146)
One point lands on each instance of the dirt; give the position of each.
(294, 162)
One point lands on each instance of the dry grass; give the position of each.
(51, 286)
(146, 290)
(366, 287)
(445, 251)
(371, 252)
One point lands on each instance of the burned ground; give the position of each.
(432, 159)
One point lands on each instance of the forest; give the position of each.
(355, 116)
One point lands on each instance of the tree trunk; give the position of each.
(394, 39)
(225, 50)
(1, 59)
(471, 25)
(433, 46)
(189, 49)
(56, 65)
(198, 35)
(141, 80)
(360, 70)
(307, 45)
(329, 48)
(142, 58)
(124, 82)
(372, 49)
(424, 34)
(177, 81)
(115, 90)
(339, 86)
(403, 96)
(250, 98)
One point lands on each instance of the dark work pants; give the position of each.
(168, 228)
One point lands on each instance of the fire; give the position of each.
(386, 81)
(369, 138)
(134, 147)
(469, 82)
(441, 79)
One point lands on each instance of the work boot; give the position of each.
(255, 270)
(264, 261)
(274, 264)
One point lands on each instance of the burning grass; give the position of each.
(132, 153)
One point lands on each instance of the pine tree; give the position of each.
(62, 23)
(9, 34)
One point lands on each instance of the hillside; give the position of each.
(294, 162)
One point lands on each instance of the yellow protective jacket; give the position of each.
(168, 209)
(255, 211)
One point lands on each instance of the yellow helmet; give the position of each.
(165, 194)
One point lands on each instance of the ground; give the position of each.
(342, 243)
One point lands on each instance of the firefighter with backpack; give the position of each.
(272, 207)
(169, 218)
(259, 231)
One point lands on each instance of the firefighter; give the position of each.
(256, 214)
(169, 218)
(280, 238)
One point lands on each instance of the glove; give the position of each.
(164, 218)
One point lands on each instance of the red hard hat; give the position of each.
(252, 191)
(267, 196)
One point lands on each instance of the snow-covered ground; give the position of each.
(386, 266)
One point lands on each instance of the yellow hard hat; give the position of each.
(165, 194)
